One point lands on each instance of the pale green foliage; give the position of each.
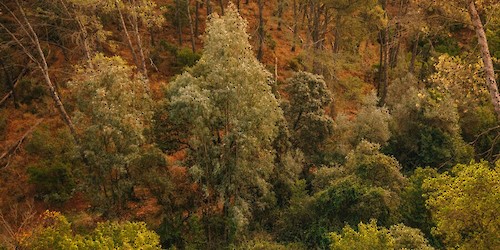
(55, 233)
(370, 124)
(408, 238)
(113, 110)
(464, 204)
(308, 122)
(370, 236)
(226, 104)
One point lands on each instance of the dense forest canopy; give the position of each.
(283, 124)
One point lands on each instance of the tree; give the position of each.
(485, 54)
(464, 204)
(112, 112)
(426, 129)
(54, 232)
(371, 236)
(309, 125)
(226, 104)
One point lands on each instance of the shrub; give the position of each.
(53, 181)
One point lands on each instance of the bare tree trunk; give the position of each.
(336, 32)
(485, 53)
(191, 28)
(127, 35)
(221, 4)
(41, 64)
(414, 54)
(260, 52)
(11, 82)
(209, 8)
(83, 34)
(197, 17)
(139, 43)
(281, 7)
(295, 24)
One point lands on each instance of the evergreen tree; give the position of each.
(227, 105)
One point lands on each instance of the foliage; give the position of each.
(426, 128)
(413, 210)
(464, 204)
(226, 104)
(308, 123)
(113, 111)
(374, 168)
(371, 236)
(54, 181)
(55, 232)
(54, 174)
(371, 124)
(466, 83)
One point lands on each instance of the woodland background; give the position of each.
(280, 124)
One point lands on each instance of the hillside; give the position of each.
(284, 124)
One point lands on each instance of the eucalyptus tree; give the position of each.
(226, 105)
(113, 109)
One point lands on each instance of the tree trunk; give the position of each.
(179, 21)
(281, 6)
(11, 82)
(209, 8)
(191, 28)
(295, 24)
(139, 43)
(260, 52)
(197, 18)
(414, 52)
(127, 35)
(336, 32)
(485, 53)
(221, 4)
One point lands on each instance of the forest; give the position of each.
(249, 125)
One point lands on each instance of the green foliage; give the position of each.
(413, 210)
(55, 233)
(54, 174)
(464, 204)
(447, 45)
(408, 238)
(370, 236)
(308, 123)
(227, 106)
(183, 57)
(113, 110)
(53, 181)
(269, 245)
(466, 82)
(374, 168)
(370, 124)
(426, 128)
(367, 236)
(29, 92)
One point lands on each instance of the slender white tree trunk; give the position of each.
(485, 53)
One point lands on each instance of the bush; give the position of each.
(53, 181)
(54, 232)
(370, 236)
